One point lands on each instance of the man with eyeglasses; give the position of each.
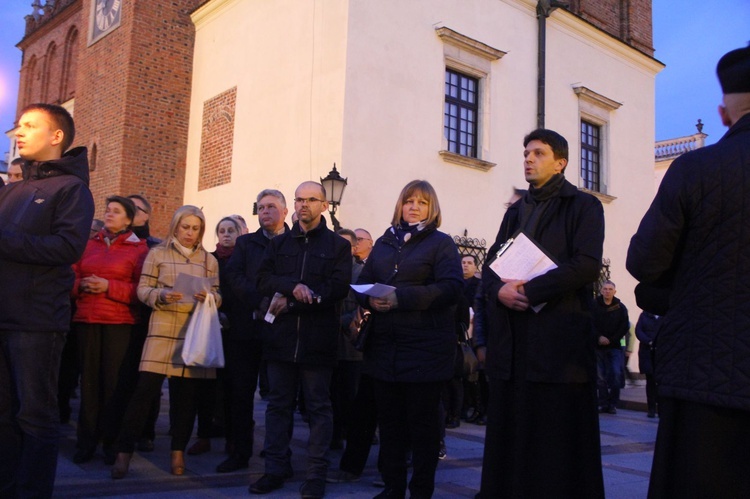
(306, 272)
(243, 340)
(364, 245)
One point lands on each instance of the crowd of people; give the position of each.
(550, 352)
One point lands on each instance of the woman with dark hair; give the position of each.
(214, 406)
(411, 349)
(180, 253)
(106, 309)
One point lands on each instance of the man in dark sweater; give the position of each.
(611, 324)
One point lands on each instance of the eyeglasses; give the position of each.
(360, 239)
(307, 200)
(141, 209)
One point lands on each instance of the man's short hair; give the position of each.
(142, 200)
(473, 257)
(60, 118)
(17, 161)
(272, 192)
(347, 232)
(557, 142)
(609, 282)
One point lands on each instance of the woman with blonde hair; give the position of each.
(181, 252)
(411, 349)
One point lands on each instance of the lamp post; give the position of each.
(334, 185)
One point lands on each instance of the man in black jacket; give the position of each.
(44, 226)
(306, 272)
(611, 324)
(243, 341)
(693, 245)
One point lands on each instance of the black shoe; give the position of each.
(145, 445)
(452, 423)
(232, 463)
(267, 483)
(611, 410)
(389, 493)
(443, 452)
(651, 414)
(83, 456)
(110, 455)
(314, 488)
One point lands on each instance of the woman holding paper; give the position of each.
(180, 253)
(411, 349)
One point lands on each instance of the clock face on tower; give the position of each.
(105, 17)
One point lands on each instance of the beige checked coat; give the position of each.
(162, 352)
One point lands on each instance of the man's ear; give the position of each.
(57, 137)
(726, 120)
(562, 163)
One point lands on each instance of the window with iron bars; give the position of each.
(590, 155)
(461, 113)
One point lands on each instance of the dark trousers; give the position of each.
(344, 387)
(101, 351)
(126, 384)
(701, 451)
(609, 373)
(183, 396)
(283, 379)
(453, 397)
(651, 394)
(361, 428)
(68, 379)
(243, 358)
(29, 416)
(408, 418)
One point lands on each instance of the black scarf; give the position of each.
(143, 232)
(535, 203)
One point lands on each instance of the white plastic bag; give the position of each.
(202, 345)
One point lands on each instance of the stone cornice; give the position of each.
(469, 44)
(596, 98)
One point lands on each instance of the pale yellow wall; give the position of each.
(286, 58)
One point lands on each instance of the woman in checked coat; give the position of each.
(181, 252)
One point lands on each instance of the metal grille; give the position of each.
(604, 275)
(590, 153)
(460, 114)
(472, 246)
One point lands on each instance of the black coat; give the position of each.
(45, 222)
(561, 341)
(415, 342)
(645, 331)
(695, 241)
(610, 321)
(238, 280)
(322, 260)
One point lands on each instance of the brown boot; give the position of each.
(178, 462)
(122, 463)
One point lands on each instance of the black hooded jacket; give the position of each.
(44, 226)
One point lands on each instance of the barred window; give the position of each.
(590, 156)
(461, 113)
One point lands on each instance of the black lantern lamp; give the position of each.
(334, 185)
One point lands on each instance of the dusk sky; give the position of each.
(689, 37)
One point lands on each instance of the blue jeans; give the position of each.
(283, 379)
(609, 373)
(29, 416)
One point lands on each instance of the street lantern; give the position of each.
(334, 185)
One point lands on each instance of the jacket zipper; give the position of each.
(301, 276)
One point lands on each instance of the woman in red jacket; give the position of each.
(106, 308)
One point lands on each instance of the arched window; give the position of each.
(69, 66)
(29, 77)
(48, 73)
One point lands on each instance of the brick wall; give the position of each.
(627, 20)
(217, 140)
